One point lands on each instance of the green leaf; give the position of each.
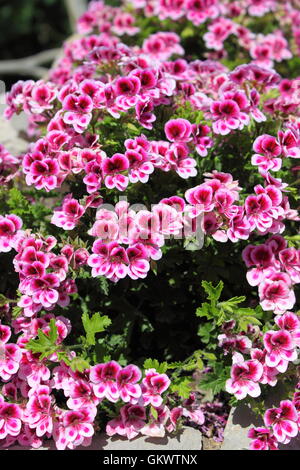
(204, 311)
(204, 332)
(209, 356)
(79, 364)
(161, 368)
(45, 345)
(92, 326)
(16, 311)
(3, 300)
(247, 320)
(215, 380)
(187, 32)
(104, 285)
(182, 386)
(233, 302)
(213, 293)
(154, 412)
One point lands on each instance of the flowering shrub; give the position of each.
(162, 153)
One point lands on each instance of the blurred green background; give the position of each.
(31, 26)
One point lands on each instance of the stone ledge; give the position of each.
(187, 439)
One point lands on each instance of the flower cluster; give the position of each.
(36, 414)
(114, 117)
(276, 269)
(42, 273)
(270, 355)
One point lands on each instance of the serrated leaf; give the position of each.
(209, 356)
(215, 381)
(182, 387)
(204, 311)
(95, 324)
(213, 293)
(3, 300)
(16, 311)
(234, 301)
(174, 365)
(161, 368)
(45, 345)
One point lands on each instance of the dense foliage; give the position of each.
(150, 233)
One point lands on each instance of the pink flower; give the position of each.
(262, 257)
(289, 143)
(275, 293)
(127, 379)
(290, 261)
(169, 219)
(9, 226)
(201, 140)
(68, 216)
(156, 426)
(33, 372)
(178, 130)
(78, 111)
(162, 45)
(180, 161)
(8, 165)
(268, 150)
(103, 378)
(113, 169)
(258, 212)
(175, 415)
(41, 172)
(129, 424)
(291, 323)
(201, 197)
(245, 376)
(106, 226)
(38, 413)
(262, 439)
(10, 358)
(144, 113)
(218, 32)
(28, 438)
(153, 385)
(139, 265)
(227, 116)
(269, 375)
(199, 11)
(5, 333)
(10, 420)
(239, 227)
(262, 53)
(173, 9)
(42, 97)
(260, 7)
(77, 427)
(128, 86)
(279, 346)
(283, 421)
(140, 167)
(109, 260)
(123, 24)
(44, 290)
